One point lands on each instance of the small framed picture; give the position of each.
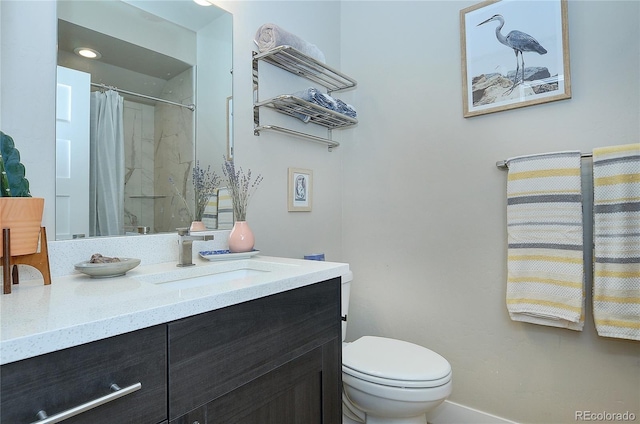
(300, 189)
(514, 54)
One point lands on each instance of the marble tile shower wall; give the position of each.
(174, 153)
(139, 151)
(159, 145)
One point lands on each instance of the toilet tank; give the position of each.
(346, 289)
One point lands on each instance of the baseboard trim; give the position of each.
(454, 413)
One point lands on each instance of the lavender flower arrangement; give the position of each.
(205, 184)
(241, 188)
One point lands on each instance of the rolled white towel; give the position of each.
(270, 36)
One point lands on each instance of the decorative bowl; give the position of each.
(110, 269)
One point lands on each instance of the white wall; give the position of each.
(424, 204)
(412, 198)
(27, 92)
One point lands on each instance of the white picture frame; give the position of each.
(300, 190)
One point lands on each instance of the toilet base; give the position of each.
(347, 420)
(352, 415)
(413, 420)
(373, 420)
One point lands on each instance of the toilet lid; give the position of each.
(397, 360)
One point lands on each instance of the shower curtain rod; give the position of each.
(191, 106)
(502, 164)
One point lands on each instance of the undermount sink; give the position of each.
(185, 278)
(219, 277)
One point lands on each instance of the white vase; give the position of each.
(241, 238)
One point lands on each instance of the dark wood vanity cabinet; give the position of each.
(274, 360)
(65, 379)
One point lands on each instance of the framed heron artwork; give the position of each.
(514, 54)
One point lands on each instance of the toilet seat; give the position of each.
(394, 363)
(412, 384)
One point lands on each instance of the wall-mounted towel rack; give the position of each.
(301, 65)
(503, 164)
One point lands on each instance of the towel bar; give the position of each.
(503, 164)
(330, 143)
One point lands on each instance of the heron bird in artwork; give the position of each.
(517, 40)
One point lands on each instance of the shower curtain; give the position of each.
(106, 179)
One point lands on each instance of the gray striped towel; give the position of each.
(545, 278)
(210, 215)
(225, 209)
(616, 222)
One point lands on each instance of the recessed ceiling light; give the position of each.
(202, 2)
(87, 52)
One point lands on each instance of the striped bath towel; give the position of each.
(225, 209)
(616, 222)
(545, 281)
(210, 215)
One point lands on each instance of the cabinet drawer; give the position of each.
(65, 379)
(214, 353)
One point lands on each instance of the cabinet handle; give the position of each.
(117, 393)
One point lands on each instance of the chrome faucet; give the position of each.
(185, 246)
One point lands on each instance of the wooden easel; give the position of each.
(38, 260)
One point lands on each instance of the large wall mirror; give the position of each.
(132, 121)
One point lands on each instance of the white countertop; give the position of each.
(76, 309)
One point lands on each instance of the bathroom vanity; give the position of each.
(262, 346)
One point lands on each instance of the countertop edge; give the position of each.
(39, 343)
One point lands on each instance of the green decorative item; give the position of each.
(12, 172)
(20, 213)
(4, 180)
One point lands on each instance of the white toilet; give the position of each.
(389, 381)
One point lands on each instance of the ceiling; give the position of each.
(119, 53)
(185, 13)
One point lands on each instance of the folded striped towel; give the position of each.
(210, 215)
(616, 227)
(545, 281)
(313, 95)
(225, 209)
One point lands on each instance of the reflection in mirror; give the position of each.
(128, 119)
